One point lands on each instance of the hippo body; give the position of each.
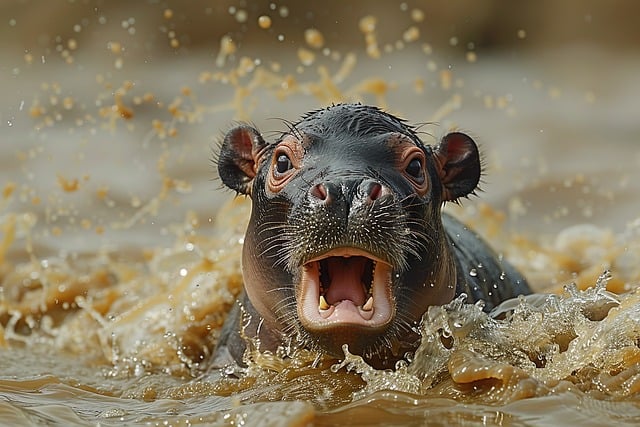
(347, 243)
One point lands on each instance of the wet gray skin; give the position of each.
(346, 242)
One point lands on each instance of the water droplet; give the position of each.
(183, 272)
(473, 272)
(264, 22)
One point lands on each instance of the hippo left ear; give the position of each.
(239, 157)
(458, 165)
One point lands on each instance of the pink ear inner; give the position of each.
(457, 147)
(243, 145)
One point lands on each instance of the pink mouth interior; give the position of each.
(346, 279)
(346, 286)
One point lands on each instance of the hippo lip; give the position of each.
(345, 286)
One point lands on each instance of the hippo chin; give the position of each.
(347, 243)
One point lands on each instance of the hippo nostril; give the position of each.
(372, 190)
(375, 190)
(319, 191)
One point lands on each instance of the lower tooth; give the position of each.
(323, 305)
(368, 306)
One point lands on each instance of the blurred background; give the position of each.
(488, 24)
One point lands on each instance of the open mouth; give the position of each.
(345, 286)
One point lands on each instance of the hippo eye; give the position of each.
(414, 168)
(283, 164)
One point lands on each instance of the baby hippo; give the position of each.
(346, 242)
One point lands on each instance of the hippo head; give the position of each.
(345, 243)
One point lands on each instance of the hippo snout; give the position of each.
(350, 192)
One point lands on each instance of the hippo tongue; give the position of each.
(346, 280)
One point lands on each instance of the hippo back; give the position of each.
(482, 274)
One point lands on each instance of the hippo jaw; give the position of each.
(345, 287)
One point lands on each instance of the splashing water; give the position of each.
(585, 340)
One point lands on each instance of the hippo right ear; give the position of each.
(239, 157)
(459, 166)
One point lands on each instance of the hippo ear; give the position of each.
(458, 164)
(238, 158)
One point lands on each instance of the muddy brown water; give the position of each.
(120, 253)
